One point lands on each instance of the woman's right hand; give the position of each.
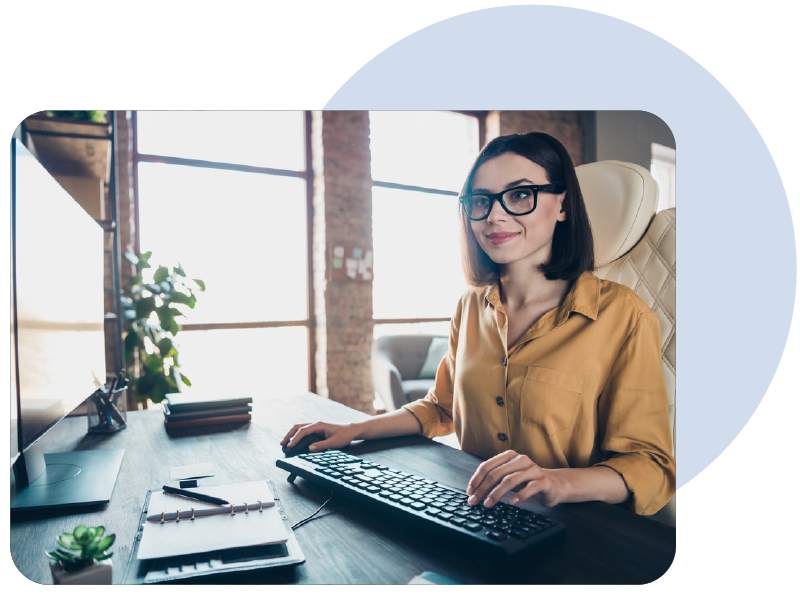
(337, 435)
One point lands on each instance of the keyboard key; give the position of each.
(444, 516)
(396, 497)
(433, 511)
(496, 536)
(458, 520)
(373, 489)
(472, 517)
(520, 535)
(472, 527)
(385, 494)
(417, 505)
(406, 502)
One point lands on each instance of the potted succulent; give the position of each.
(82, 557)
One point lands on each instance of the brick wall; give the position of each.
(566, 126)
(126, 224)
(342, 214)
(126, 227)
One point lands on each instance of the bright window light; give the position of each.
(425, 149)
(662, 168)
(417, 256)
(267, 362)
(416, 234)
(257, 138)
(243, 234)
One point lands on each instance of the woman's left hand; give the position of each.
(512, 471)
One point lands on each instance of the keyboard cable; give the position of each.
(314, 514)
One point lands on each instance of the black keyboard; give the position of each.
(502, 530)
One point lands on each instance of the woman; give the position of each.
(552, 375)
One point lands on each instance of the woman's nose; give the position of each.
(497, 213)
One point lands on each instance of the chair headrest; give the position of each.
(621, 199)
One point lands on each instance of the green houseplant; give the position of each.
(150, 311)
(95, 116)
(83, 556)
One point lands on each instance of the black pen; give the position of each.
(194, 496)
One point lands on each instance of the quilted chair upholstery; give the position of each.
(635, 246)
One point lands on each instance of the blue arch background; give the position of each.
(736, 391)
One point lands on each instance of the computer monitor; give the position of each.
(58, 340)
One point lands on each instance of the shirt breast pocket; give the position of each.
(550, 398)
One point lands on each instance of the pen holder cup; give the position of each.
(106, 412)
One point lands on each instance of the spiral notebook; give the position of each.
(233, 561)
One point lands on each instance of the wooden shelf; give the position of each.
(71, 147)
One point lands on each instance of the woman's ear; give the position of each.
(562, 212)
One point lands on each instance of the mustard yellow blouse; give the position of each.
(582, 387)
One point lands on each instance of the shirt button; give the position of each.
(500, 401)
(505, 361)
(502, 437)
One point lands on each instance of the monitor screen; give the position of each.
(59, 281)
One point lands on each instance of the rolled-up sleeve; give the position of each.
(634, 415)
(435, 411)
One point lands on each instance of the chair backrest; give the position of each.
(406, 352)
(635, 246)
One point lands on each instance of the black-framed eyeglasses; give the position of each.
(516, 201)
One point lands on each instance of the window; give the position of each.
(226, 195)
(419, 163)
(662, 168)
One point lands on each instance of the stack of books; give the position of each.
(191, 409)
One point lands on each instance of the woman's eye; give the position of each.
(518, 195)
(480, 201)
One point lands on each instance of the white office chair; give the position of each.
(635, 246)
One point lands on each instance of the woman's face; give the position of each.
(506, 238)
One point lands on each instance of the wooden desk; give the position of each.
(604, 544)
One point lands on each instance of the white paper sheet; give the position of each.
(216, 532)
(192, 472)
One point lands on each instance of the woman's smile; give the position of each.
(501, 237)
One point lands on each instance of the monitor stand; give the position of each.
(68, 479)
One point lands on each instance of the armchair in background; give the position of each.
(404, 367)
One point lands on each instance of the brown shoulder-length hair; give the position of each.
(572, 251)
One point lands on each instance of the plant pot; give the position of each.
(97, 574)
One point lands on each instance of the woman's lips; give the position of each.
(501, 238)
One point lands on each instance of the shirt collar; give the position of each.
(583, 297)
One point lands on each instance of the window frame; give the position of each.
(306, 174)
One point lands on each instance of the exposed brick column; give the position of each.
(126, 223)
(342, 214)
(126, 210)
(567, 126)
